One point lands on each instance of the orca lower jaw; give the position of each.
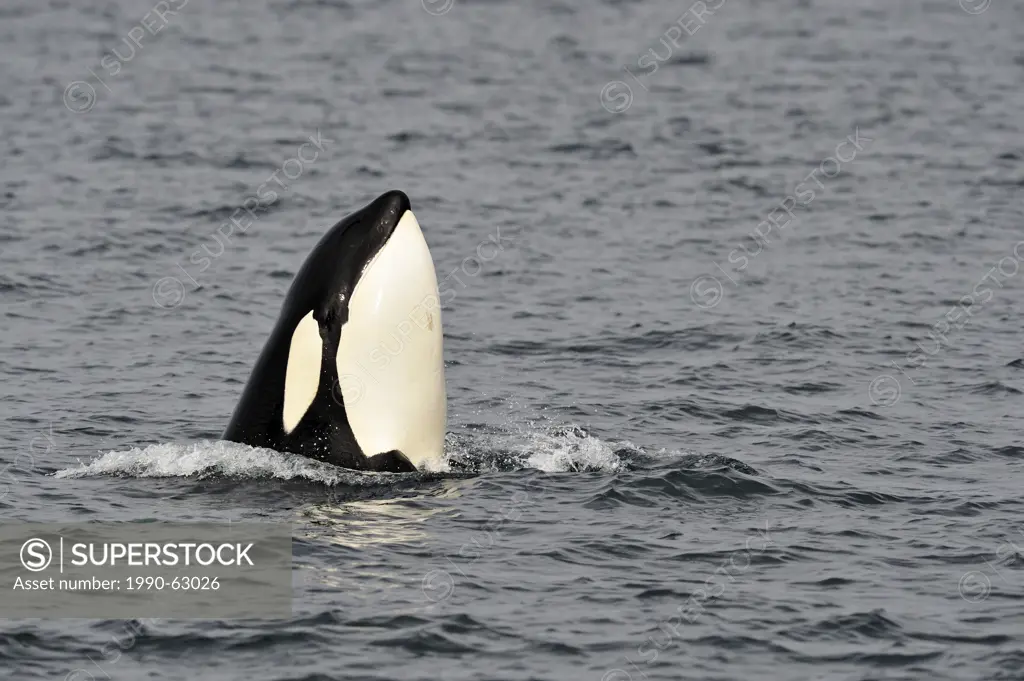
(390, 358)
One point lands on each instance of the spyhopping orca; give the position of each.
(328, 384)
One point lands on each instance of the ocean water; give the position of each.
(733, 332)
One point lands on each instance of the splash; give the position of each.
(571, 449)
(552, 450)
(566, 449)
(215, 458)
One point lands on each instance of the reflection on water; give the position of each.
(366, 526)
(360, 524)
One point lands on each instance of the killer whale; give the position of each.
(322, 386)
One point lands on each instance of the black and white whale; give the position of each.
(353, 372)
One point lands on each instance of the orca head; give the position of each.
(328, 277)
(361, 323)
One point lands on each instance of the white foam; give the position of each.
(552, 450)
(572, 450)
(208, 458)
(559, 450)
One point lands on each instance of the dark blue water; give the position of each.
(739, 397)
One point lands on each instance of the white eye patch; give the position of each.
(302, 377)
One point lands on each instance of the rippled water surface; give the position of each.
(738, 396)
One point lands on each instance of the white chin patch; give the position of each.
(302, 377)
(390, 358)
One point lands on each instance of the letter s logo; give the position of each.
(36, 555)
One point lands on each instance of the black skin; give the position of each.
(324, 285)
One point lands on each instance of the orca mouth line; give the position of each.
(325, 281)
(364, 235)
(380, 249)
(388, 210)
